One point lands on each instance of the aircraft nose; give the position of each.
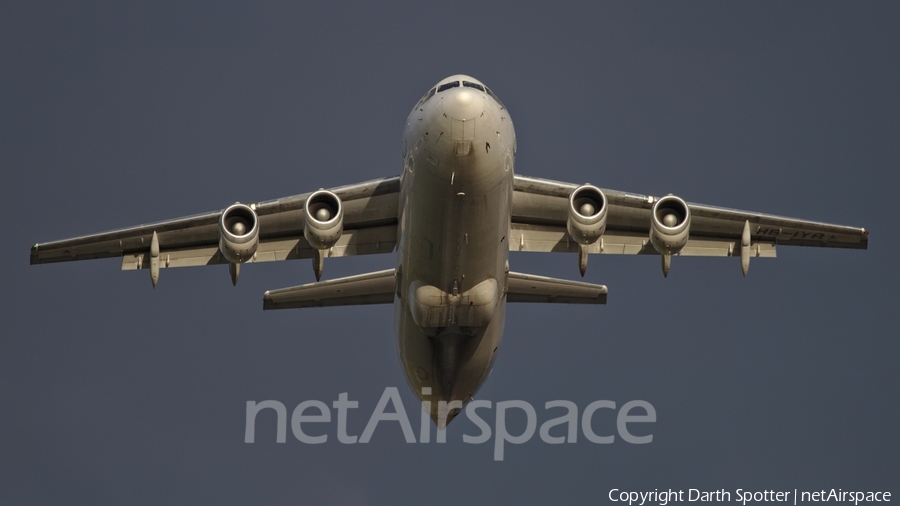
(463, 104)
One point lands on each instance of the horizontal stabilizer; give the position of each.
(531, 288)
(369, 288)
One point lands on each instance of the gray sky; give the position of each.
(114, 393)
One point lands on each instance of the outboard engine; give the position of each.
(670, 224)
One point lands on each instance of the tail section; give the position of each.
(370, 288)
(532, 288)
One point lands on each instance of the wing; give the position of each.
(369, 226)
(540, 211)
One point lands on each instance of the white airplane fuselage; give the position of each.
(452, 257)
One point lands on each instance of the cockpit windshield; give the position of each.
(491, 93)
(473, 85)
(425, 98)
(447, 86)
(467, 84)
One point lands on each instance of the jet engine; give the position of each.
(323, 219)
(670, 223)
(238, 233)
(587, 214)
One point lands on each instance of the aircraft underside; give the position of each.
(451, 217)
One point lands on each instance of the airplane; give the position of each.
(452, 216)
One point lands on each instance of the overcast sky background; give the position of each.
(114, 115)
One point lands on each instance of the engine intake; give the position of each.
(587, 214)
(323, 219)
(238, 233)
(670, 223)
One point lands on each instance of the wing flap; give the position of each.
(532, 288)
(364, 241)
(552, 239)
(370, 288)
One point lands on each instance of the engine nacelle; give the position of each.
(587, 214)
(323, 219)
(238, 233)
(670, 224)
